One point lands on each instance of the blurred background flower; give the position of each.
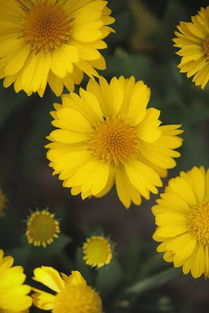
(3, 202)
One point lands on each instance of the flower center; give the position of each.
(77, 298)
(97, 251)
(46, 26)
(206, 46)
(199, 223)
(114, 141)
(42, 228)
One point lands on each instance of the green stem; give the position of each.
(153, 281)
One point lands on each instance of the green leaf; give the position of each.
(21, 254)
(131, 258)
(163, 38)
(56, 247)
(10, 102)
(122, 63)
(194, 150)
(81, 266)
(109, 278)
(154, 281)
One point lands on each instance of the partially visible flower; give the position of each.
(51, 42)
(182, 218)
(13, 293)
(192, 38)
(107, 135)
(97, 251)
(3, 202)
(42, 228)
(72, 294)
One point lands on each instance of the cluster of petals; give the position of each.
(182, 219)
(192, 39)
(51, 42)
(70, 293)
(14, 296)
(107, 135)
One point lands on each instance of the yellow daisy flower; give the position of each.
(107, 135)
(3, 202)
(54, 42)
(97, 251)
(42, 228)
(73, 295)
(182, 218)
(192, 38)
(13, 294)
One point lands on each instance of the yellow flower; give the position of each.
(182, 218)
(192, 38)
(51, 42)
(42, 228)
(13, 294)
(73, 295)
(97, 251)
(107, 135)
(3, 202)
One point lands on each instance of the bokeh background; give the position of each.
(137, 280)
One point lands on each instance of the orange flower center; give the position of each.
(114, 141)
(199, 223)
(46, 26)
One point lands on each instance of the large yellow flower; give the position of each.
(13, 294)
(54, 42)
(107, 135)
(192, 38)
(73, 295)
(182, 216)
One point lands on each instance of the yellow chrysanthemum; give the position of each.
(73, 295)
(54, 42)
(13, 293)
(107, 135)
(97, 251)
(42, 228)
(3, 202)
(193, 42)
(182, 216)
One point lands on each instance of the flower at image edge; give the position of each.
(182, 219)
(97, 251)
(42, 228)
(3, 202)
(13, 293)
(73, 295)
(51, 42)
(192, 39)
(106, 135)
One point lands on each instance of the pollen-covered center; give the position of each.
(46, 26)
(42, 228)
(206, 46)
(199, 223)
(78, 298)
(97, 251)
(114, 141)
